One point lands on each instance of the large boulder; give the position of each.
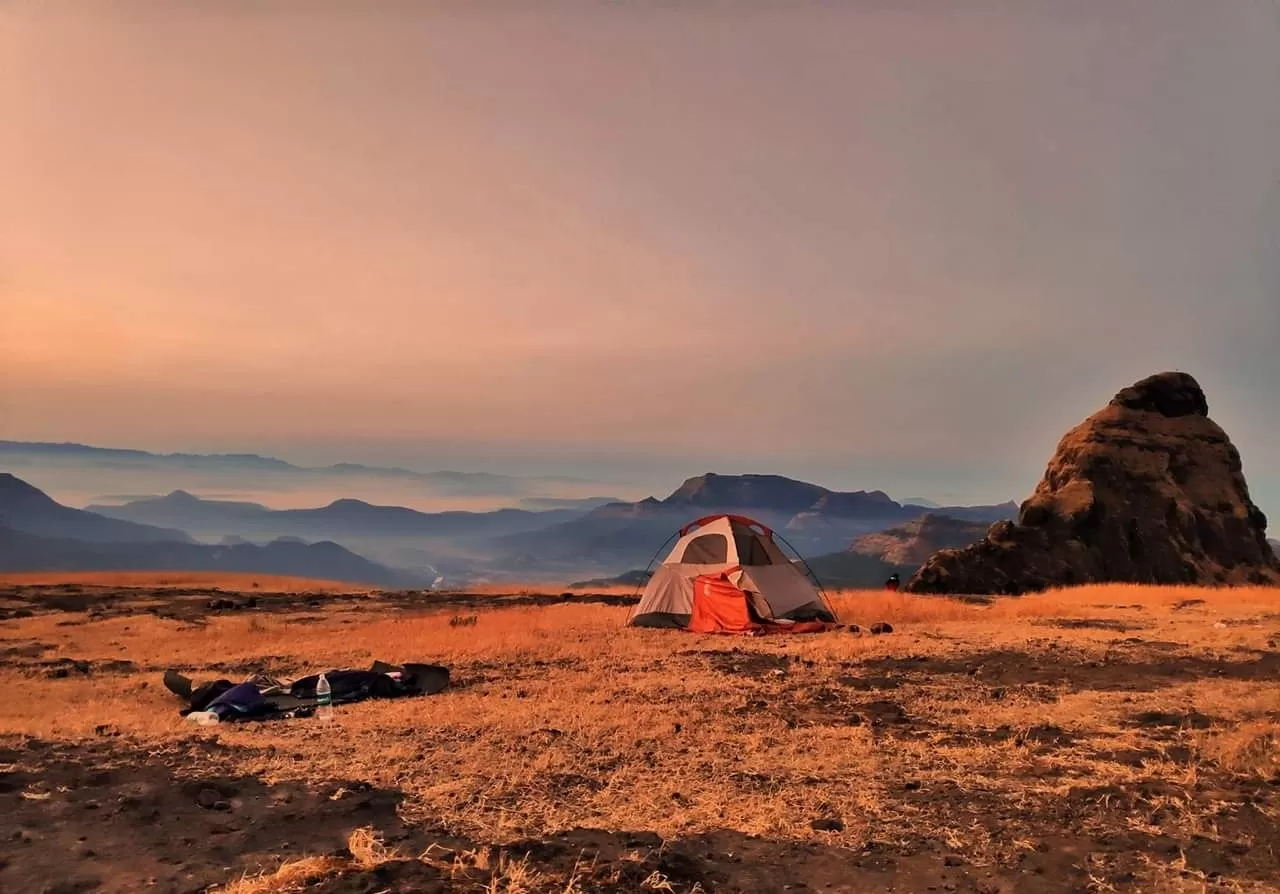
(1147, 490)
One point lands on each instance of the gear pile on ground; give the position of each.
(1147, 490)
(263, 697)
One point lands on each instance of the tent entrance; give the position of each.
(721, 607)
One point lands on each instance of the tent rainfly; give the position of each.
(726, 574)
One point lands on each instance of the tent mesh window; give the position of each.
(751, 549)
(709, 549)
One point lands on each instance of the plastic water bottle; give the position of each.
(324, 700)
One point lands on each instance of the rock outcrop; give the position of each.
(913, 543)
(1147, 490)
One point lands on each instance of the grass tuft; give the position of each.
(289, 878)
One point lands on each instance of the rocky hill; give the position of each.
(913, 543)
(1147, 490)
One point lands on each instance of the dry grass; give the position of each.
(289, 878)
(507, 875)
(1091, 601)
(367, 852)
(561, 717)
(1252, 747)
(157, 580)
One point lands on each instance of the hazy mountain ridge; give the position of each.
(547, 544)
(585, 504)
(253, 461)
(815, 519)
(78, 474)
(346, 517)
(39, 534)
(30, 510)
(582, 539)
(20, 551)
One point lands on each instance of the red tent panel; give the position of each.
(719, 607)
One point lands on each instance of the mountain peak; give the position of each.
(180, 497)
(16, 493)
(349, 503)
(30, 510)
(739, 491)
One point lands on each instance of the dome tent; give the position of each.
(726, 574)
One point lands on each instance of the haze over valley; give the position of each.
(548, 537)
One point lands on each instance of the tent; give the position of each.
(726, 574)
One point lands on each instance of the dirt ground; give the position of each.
(1100, 739)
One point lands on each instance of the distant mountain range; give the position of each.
(39, 534)
(341, 519)
(867, 562)
(472, 483)
(812, 518)
(549, 538)
(1275, 545)
(544, 504)
(553, 541)
(82, 474)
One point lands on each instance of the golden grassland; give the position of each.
(560, 717)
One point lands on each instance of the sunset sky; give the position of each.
(894, 245)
